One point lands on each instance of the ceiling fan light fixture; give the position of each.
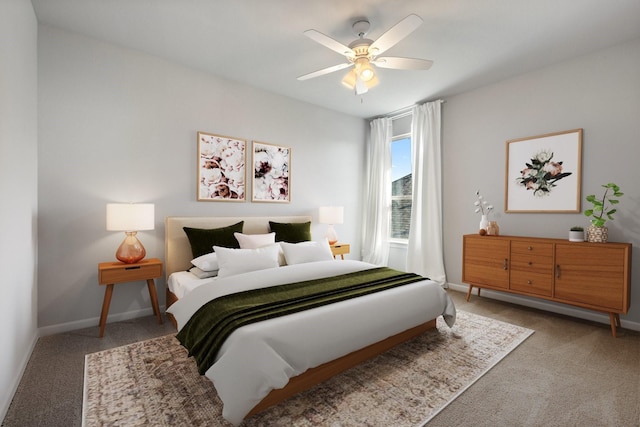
(372, 82)
(364, 69)
(349, 79)
(367, 74)
(353, 81)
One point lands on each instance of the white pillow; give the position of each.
(236, 261)
(298, 253)
(201, 274)
(254, 241)
(206, 262)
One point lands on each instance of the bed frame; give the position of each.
(178, 258)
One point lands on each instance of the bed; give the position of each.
(263, 363)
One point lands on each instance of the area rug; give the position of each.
(154, 383)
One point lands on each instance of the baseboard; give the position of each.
(94, 321)
(542, 304)
(15, 381)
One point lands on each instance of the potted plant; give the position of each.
(576, 234)
(600, 212)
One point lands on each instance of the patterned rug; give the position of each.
(153, 383)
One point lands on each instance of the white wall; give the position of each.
(18, 191)
(116, 125)
(599, 93)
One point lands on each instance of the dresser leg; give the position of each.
(469, 292)
(614, 319)
(105, 307)
(154, 299)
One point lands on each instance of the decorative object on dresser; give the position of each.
(483, 208)
(130, 218)
(221, 168)
(493, 229)
(587, 275)
(271, 173)
(110, 273)
(543, 173)
(331, 215)
(576, 234)
(597, 231)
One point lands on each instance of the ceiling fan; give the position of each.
(362, 53)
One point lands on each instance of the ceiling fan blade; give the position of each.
(325, 71)
(394, 34)
(402, 63)
(332, 44)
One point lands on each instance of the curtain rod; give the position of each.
(403, 112)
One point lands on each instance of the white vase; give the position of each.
(576, 236)
(484, 222)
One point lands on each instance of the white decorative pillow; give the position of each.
(254, 241)
(298, 253)
(201, 274)
(206, 262)
(236, 261)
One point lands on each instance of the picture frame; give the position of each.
(544, 173)
(271, 173)
(221, 168)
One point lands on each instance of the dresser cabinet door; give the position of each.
(532, 267)
(486, 261)
(592, 276)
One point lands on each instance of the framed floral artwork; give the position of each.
(221, 168)
(271, 173)
(543, 173)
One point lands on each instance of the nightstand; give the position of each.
(340, 249)
(110, 273)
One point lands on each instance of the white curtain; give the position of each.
(377, 197)
(425, 254)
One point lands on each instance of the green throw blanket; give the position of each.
(211, 325)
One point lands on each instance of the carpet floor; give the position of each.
(153, 382)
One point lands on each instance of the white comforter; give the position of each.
(263, 356)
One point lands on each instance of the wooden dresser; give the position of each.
(595, 276)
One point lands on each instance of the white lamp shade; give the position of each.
(331, 215)
(130, 216)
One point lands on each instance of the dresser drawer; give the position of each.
(531, 282)
(110, 273)
(532, 248)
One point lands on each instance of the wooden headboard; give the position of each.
(177, 249)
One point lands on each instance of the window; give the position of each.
(401, 187)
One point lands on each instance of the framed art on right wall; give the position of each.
(543, 173)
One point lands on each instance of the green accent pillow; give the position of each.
(202, 240)
(294, 232)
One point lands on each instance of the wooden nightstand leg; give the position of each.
(154, 299)
(105, 307)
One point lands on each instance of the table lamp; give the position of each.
(331, 215)
(130, 218)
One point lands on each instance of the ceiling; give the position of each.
(261, 42)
